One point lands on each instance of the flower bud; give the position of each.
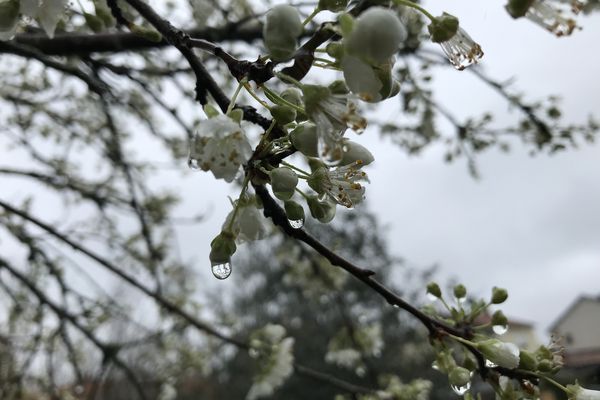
(527, 361)
(443, 28)
(294, 211)
(323, 211)
(354, 152)
(147, 33)
(346, 22)
(283, 114)
(335, 50)
(222, 248)
(9, 14)
(460, 291)
(459, 376)
(434, 290)
(499, 295)
(210, 111)
(283, 182)
(376, 35)
(333, 5)
(236, 114)
(518, 8)
(306, 140)
(545, 366)
(500, 353)
(292, 95)
(498, 318)
(281, 30)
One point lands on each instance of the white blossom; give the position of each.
(461, 50)
(341, 184)
(220, 146)
(276, 359)
(249, 223)
(550, 18)
(579, 393)
(332, 113)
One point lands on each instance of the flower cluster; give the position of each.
(274, 354)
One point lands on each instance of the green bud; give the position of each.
(147, 33)
(338, 87)
(376, 36)
(434, 290)
(470, 364)
(236, 114)
(294, 211)
(283, 114)
(443, 28)
(500, 353)
(527, 361)
(499, 295)
(545, 366)
(335, 50)
(460, 291)
(306, 140)
(210, 111)
(292, 95)
(323, 211)
(9, 14)
(459, 376)
(103, 12)
(222, 248)
(354, 152)
(346, 22)
(281, 31)
(283, 182)
(95, 23)
(333, 5)
(498, 318)
(518, 8)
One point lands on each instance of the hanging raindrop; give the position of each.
(460, 390)
(193, 163)
(221, 271)
(431, 297)
(500, 329)
(490, 364)
(296, 223)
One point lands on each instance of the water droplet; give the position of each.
(460, 390)
(490, 364)
(431, 297)
(296, 223)
(221, 271)
(193, 163)
(500, 329)
(435, 366)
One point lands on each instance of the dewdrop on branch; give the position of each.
(221, 249)
(458, 46)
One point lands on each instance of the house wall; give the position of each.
(581, 327)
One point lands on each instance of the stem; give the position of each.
(255, 96)
(553, 382)
(237, 205)
(234, 98)
(416, 7)
(311, 16)
(289, 79)
(296, 169)
(281, 99)
(302, 193)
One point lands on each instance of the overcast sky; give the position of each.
(531, 224)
